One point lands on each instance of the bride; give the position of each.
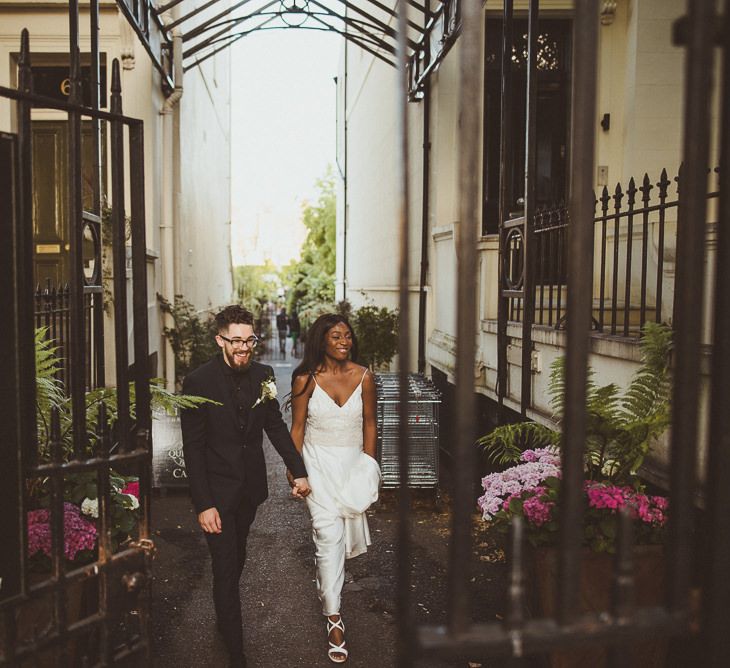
(334, 427)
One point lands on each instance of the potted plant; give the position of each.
(80, 489)
(621, 428)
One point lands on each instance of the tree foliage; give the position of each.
(256, 285)
(311, 279)
(377, 334)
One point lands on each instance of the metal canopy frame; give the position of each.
(206, 32)
(370, 25)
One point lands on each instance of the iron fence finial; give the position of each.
(631, 192)
(25, 74)
(646, 189)
(116, 89)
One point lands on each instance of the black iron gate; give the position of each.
(75, 459)
(704, 33)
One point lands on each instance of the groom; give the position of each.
(224, 458)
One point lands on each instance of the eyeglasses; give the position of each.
(250, 342)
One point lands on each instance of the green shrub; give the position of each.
(192, 337)
(376, 328)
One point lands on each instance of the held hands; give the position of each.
(300, 486)
(210, 520)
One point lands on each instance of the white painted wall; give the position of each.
(204, 273)
(369, 106)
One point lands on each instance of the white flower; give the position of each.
(268, 391)
(90, 507)
(132, 500)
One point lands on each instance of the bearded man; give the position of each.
(224, 458)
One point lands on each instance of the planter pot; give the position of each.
(595, 597)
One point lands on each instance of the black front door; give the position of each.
(553, 95)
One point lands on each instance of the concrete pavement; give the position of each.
(281, 614)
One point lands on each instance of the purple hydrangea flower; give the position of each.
(79, 534)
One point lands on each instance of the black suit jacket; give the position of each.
(224, 462)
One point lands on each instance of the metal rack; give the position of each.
(423, 420)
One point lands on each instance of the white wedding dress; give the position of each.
(344, 482)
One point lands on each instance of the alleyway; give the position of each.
(282, 619)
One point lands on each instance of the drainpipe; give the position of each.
(424, 227)
(169, 190)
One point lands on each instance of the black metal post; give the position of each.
(580, 270)
(631, 201)
(97, 311)
(716, 594)
(505, 196)
(26, 390)
(689, 279)
(77, 357)
(12, 521)
(528, 253)
(105, 537)
(425, 212)
(142, 372)
(465, 397)
(405, 637)
(119, 256)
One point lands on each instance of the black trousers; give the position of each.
(228, 554)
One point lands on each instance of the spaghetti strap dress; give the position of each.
(344, 482)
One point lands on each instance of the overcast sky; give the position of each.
(283, 137)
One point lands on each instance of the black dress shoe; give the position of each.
(238, 661)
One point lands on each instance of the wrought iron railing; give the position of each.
(634, 239)
(52, 311)
(551, 238)
(113, 629)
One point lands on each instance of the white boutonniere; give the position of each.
(268, 391)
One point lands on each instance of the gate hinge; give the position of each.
(147, 545)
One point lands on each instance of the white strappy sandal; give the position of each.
(335, 650)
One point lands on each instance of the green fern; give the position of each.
(505, 444)
(556, 388)
(647, 396)
(49, 390)
(620, 428)
(50, 395)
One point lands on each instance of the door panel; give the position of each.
(50, 195)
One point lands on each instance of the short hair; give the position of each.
(233, 315)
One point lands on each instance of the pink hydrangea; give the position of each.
(499, 487)
(132, 488)
(547, 455)
(605, 496)
(79, 533)
(538, 510)
(649, 509)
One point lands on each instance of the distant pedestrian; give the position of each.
(295, 329)
(224, 458)
(282, 322)
(334, 427)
